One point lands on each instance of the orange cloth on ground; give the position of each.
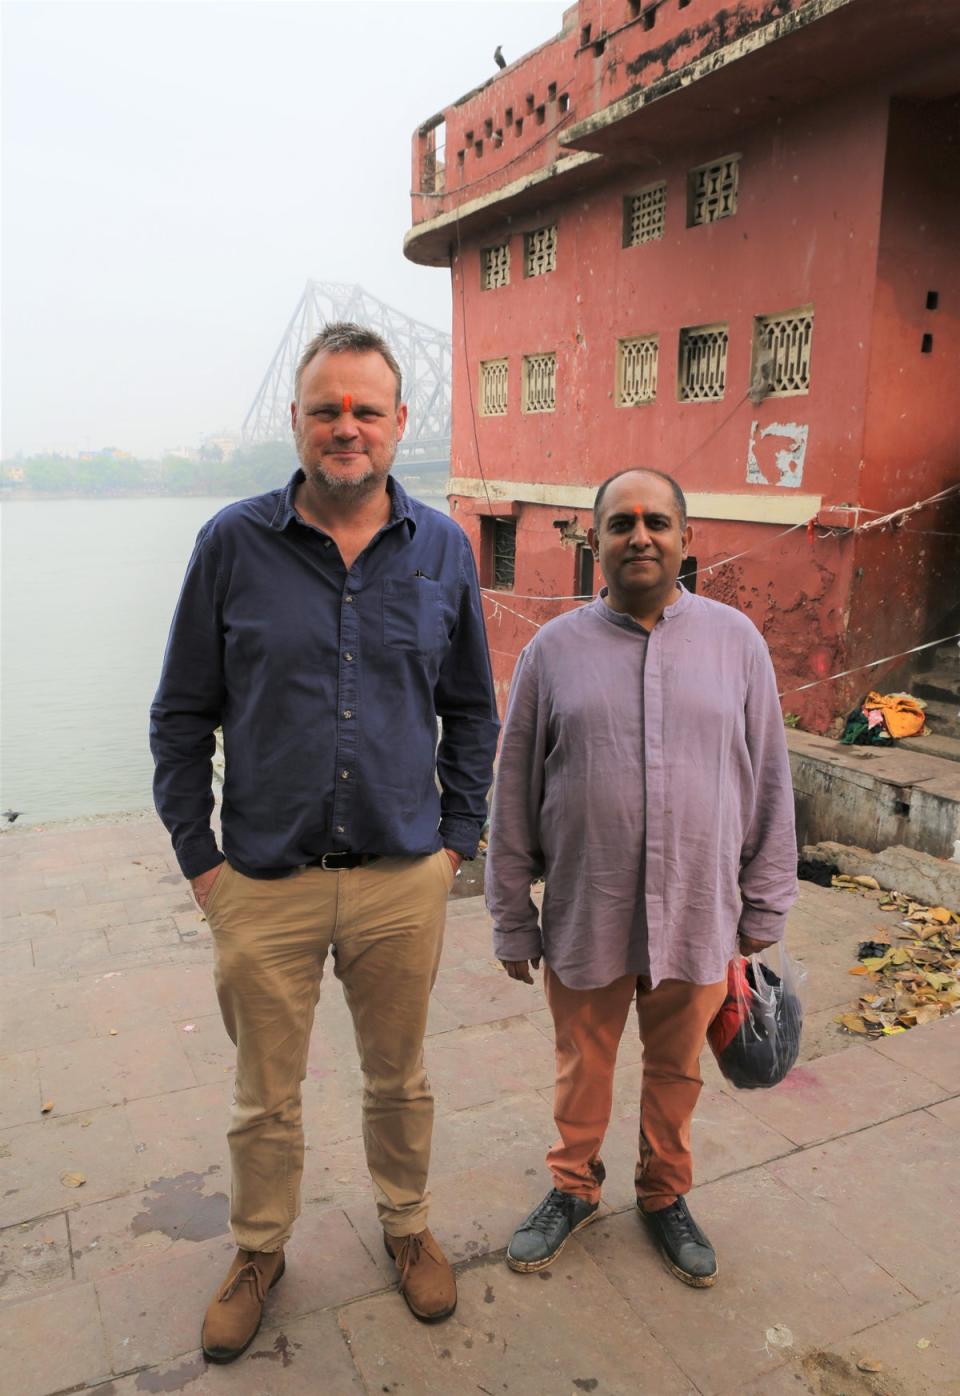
(902, 715)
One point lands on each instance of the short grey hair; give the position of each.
(346, 337)
(678, 495)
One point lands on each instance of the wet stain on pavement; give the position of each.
(586, 1383)
(174, 1380)
(280, 1352)
(488, 1295)
(178, 1208)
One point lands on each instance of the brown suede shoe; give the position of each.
(426, 1280)
(235, 1311)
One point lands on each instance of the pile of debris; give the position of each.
(914, 982)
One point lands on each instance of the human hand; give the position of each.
(520, 969)
(455, 858)
(202, 885)
(749, 946)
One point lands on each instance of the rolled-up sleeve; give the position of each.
(466, 705)
(186, 712)
(768, 862)
(515, 857)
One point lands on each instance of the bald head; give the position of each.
(678, 495)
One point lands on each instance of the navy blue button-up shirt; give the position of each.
(328, 683)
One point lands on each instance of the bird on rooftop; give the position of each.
(11, 815)
(498, 57)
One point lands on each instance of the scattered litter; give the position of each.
(46, 1107)
(113, 1032)
(779, 1336)
(923, 1343)
(913, 982)
(140, 1148)
(72, 1180)
(85, 1124)
(189, 1027)
(867, 1364)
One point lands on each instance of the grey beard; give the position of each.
(359, 486)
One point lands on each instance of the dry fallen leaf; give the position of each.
(867, 1364)
(72, 1180)
(864, 881)
(852, 1022)
(941, 914)
(46, 1107)
(923, 1343)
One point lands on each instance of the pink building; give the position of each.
(720, 240)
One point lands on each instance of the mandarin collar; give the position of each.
(626, 622)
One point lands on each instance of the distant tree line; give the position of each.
(246, 471)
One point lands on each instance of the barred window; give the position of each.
(495, 267)
(637, 370)
(712, 191)
(493, 388)
(540, 251)
(643, 215)
(702, 368)
(781, 352)
(498, 552)
(539, 382)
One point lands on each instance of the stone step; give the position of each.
(939, 685)
(935, 744)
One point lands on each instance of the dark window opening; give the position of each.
(598, 47)
(682, 4)
(478, 148)
(564, 101)
(650, 17)
(468, 137)
(500, 552)
(933, 300)
(634, 8)
(508, 117)
(551, 92)
(688, 574)
(926, 345)
(585, 36)
(583, 582)
(541, 115)
(530, 101)
(488, 126)
(460, 155)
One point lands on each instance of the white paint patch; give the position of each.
(788, 459)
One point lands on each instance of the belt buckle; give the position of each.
(325, 865)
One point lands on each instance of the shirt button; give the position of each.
(326, 542)
(348, 712)
(348, 600)
(344, 775)
(348, 657)
(341, 829)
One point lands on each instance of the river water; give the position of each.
(89, 587)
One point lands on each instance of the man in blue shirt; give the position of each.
(326, 627)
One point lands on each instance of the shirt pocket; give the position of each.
(413, 614)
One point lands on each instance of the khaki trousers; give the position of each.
(588, 1023)
(384, 925)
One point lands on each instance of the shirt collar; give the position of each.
(627, 622)
(401, 505)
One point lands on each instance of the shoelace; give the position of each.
(684, 1222)
(408, 1255)
(250, 1272)
(556, 1204)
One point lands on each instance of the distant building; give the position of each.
(720, 240)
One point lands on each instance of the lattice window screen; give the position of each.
(540, 251)
(493, 388)
(539, 382)
(495, 267)
(713, 191)
(702, 370)
(782, 352)
(636, 370)
(643, 215)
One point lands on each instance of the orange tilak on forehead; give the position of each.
(347, 402)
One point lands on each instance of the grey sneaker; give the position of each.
(682, 1244)
(539, 1239)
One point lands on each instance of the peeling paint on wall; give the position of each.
(788, 459)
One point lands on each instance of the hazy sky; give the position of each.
(174, 173)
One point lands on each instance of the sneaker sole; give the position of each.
(221, 1356)
(694, 1281)
(528, 1267)
(424, 1318)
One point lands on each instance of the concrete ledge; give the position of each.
(935, 881)
(874, 798)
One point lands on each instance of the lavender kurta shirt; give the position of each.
(645, 777)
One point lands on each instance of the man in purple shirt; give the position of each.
(644, 775)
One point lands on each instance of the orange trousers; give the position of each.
(588, 1024)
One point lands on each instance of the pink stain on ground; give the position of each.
(800, 1078)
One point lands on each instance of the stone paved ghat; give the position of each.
(833, 1200)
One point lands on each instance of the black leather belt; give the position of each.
(331, 862)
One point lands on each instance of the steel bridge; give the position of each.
(422, 352)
